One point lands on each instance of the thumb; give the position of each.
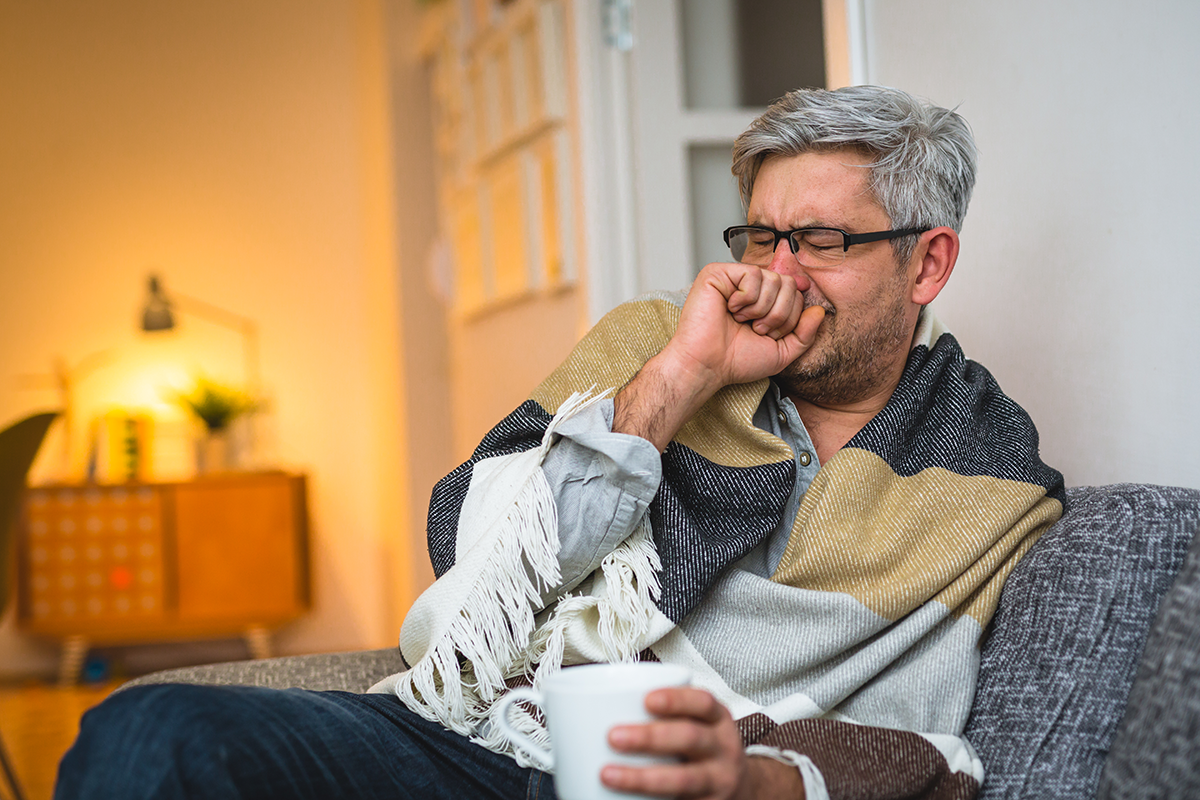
(804, 334)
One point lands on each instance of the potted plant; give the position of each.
(216, 406)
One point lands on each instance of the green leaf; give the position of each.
(215, 404)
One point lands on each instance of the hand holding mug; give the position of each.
(698, 732)
(581, 706)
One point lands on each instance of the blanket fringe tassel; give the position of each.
(495, 635)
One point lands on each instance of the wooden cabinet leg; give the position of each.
(13, 784)
(74, 650)
(258, 639)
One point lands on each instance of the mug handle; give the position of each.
(519, 738)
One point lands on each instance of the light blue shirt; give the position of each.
(604, 481)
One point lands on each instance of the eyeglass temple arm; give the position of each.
(864, 238)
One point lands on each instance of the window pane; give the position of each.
(747, 53)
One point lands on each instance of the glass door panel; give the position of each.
(715, 202)
(748, 53)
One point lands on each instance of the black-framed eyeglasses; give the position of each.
(813, 247)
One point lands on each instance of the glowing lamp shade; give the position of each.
(159, 315)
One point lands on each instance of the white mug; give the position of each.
(581, 705)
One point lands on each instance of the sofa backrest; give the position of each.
(1060, 655)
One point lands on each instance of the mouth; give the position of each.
(812, 299)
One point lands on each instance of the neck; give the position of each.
(831, 426)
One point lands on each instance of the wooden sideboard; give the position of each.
(217, 556)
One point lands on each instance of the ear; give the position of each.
(934, 261)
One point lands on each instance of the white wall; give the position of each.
(1079, 280)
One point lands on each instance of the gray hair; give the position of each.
(923, 166)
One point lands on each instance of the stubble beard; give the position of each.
(847, 364)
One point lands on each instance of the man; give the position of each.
(800, 489)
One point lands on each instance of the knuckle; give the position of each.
(692, 738)
(682, 781)
(698, 783)
(670, 782)
(662, 737)
(725, 786)
(711, 708)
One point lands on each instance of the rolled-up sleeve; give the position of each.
(602, 484)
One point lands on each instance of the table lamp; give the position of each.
(158, 315)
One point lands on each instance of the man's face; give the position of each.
(864, 340)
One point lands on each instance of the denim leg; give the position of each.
(230, 742)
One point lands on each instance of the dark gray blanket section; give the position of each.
(949, 412)
(1061, 653)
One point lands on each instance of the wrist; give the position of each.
(691, 376)
(768, 779)
(668, 390)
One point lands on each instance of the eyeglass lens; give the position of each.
(813, 247)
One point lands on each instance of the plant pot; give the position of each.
(213, 453)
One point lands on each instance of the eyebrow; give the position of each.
(758, 221)
(797, 227)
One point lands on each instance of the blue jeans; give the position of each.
(177, 741)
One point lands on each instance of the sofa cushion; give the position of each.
(1060, 655)
(1156, 752)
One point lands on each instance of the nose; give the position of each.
(784, 262)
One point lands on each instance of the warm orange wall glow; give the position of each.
(498, 359)
(242, 151)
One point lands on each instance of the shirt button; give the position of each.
(805, 458)
(782, 418)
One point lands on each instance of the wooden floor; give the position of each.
(38, 723)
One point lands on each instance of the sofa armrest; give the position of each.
(1156, 752)
(350, 672)
(1060, 655)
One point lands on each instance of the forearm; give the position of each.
(662, 397)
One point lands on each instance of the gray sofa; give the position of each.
(1054, 715)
